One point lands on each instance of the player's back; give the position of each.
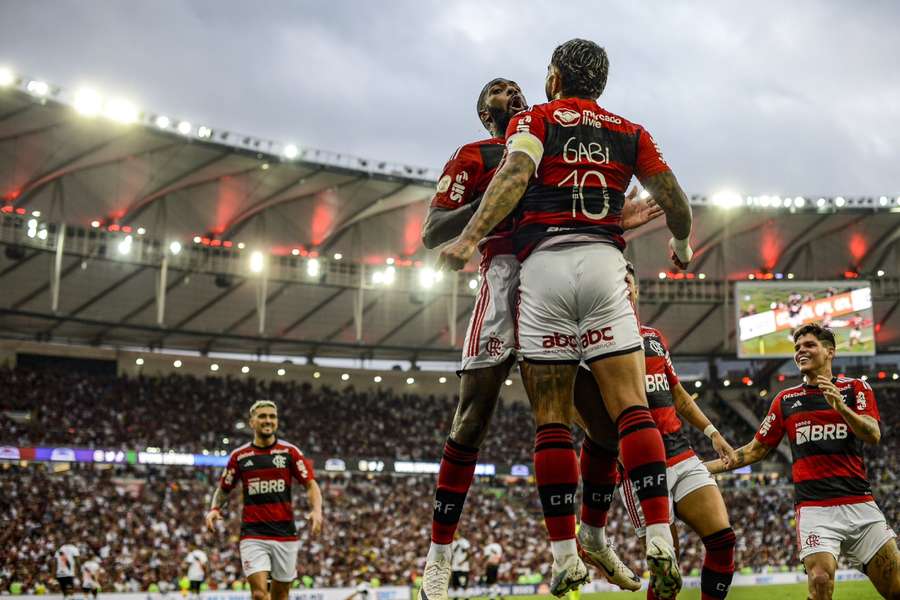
(588, 156)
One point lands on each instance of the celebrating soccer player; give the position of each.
(266, 467)
(569, 163)
(827, 421)
(490, 340)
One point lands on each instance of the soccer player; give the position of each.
(693, 493)
(196, 562)
(66, 557)
(490, 340)
(493, 555)
(828, 420)
(568, 165)
(265, 468)
(459, 566)
(90, 578)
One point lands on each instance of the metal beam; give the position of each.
(463, 314)
(36, 130)
(883, 245)
(380, 205)
(693, 328)
(209, 304)
(351, 321)
(246, 317)
(302, 319)
(143, 306)
(798, 239)
(16, 112)
(100, 295)
(43, 288)
(827, 232)
(407, 320)
(19, 263)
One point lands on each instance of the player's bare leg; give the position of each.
(703, 510)
(820, 569)
(599, 475)
(259, 585)
(280, 590)
(621, 382)
(549, 387)
(479, 390)
(884, 570)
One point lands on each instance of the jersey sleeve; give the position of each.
(229, 476)
(301, 467)
(864, 400)
(671, 375)
(649, 160)
(526, 133)
(457, 183)
(772, 428)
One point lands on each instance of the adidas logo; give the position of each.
(796, 404)
(248, 463)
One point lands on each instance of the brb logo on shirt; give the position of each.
(807, 432)
(657, 382)
(265, 486)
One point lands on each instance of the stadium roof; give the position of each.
(325, 226)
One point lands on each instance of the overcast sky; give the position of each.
(764, 97)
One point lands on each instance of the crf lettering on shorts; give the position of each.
(648, 481)
(265, 486)
(807, 432)
(657, 382)
(562, 499)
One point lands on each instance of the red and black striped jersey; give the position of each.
(828, 466)
(266, 475)
(465, 178)
(661, 379)
(589, 156)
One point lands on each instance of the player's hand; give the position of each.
(637, 212)
(832, 395)
(315, 522)
(455, 255)
(680, 252)
(724, 450)
(212, 517)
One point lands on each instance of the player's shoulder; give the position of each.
(241, 451)
(853, 383)
(569, 112)
(471, 152)
(283, 445)
(791, 392)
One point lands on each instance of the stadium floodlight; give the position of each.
(162, 121)
(197, 239)
(175, 248)
(662, 275)
(38, 88)
(820, 202)
(121, 111)
(508, 382)
(726, 382)
(291, 151)
(390, 276)
(95, 223)
(241, 245)
(895, 376)
(345, 377)
(776, 201)
(177, 364)
(204, 132)
(184, 127)
(473, 283)
(214, 367)
(141, 231)
(377, 277)
(726, 199)
(281, 372)
(428, 277)
(295, 252)
(35, 213)
(839, 201)
(316, 375)
(312, 267)
(389, 261)
(377, 379)
(42, 234)
(257, 261)
(245, 369)
(698, 384)
(7, 77)
(338, 256)
(442, 379)
(790, 275)
(880, 272)
(701, 276)
(139, 362)
(765, 201)
(410, 380)
(125, 245)
(32, 223)
(883, 201)
(88, 102)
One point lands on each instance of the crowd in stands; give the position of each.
(140, 521)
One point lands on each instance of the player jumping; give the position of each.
(265, 468)
(569, 163)
(490, 340)
(828, 420)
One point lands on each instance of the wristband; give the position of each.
(710, 430)
(682, 249)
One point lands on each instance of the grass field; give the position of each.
(844, 590)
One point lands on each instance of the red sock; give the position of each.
(644, 458)
(718, 565)
(454, 478)
(556, 472)
(599, 474)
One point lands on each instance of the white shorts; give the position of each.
(277, 557)
(683, 478)
(491, 336)
(574, 305)
(857, 531)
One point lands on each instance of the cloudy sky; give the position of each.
(762, 97)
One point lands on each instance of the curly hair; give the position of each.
(823, 334)
(583, 66)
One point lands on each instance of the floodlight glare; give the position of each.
(245, 369)
(345, 377)
(295, 252)
(377, 379)
(883, 201)
(38, 88)
(7, 77)
(197, 239)
(175, 248)
(410, 381)
(214, 367)
(508, 382)
(281, 372)
(428, 277)
(139, 362)
(121, 111)
(141, 231)
(726, 199)
(42, 234)
(256, 261)
(390, 275)
(839, 201)
(312, 267)
(88, 102)
(291, 151)
(377, 277)
(204, 132)
(125, 245)
(95, 224)
(442, 379)
(389, 261)
(35, 213)
(800, 201)
(473, 283)
(184, 127)
(162, 122)
(338, 256)
(177, 364)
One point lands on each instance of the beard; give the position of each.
(500, 118)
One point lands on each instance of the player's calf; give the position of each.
(718, 564)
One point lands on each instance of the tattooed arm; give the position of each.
(501, 197)
(219, 499)
(664, 188)
(748, 454)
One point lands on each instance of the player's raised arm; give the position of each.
(687, 408)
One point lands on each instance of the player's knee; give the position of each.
(259, 595)
(820, 584)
